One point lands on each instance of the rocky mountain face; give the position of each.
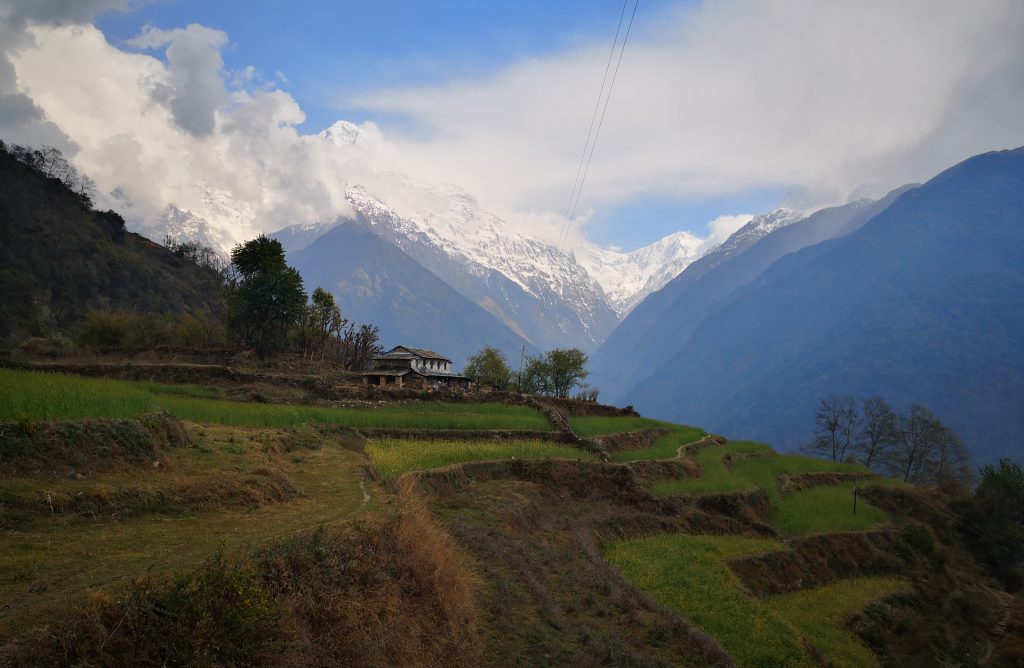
(654, 327)
(547, 296)
(628, 277)
(922, 303)
(376, 282)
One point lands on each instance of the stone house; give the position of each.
(417, 368)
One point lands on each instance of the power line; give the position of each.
(577, 189)
(590, 130)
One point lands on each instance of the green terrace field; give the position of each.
(393, 456)
(232, 489)
(666, 447)
(250, 474)
(818, 509)
(689, 574)
(40, 396)
(589, 426)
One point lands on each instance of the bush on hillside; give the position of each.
(136, 331)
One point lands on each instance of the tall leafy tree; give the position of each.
(265, 295)
(488, 367)
(992, 521)
(323, 322)
(555, 372)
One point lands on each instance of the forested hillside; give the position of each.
(60, 258)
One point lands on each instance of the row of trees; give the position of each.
(914, 446)
(268, 310)
(52, 163)
(554, 373)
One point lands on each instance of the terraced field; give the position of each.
(691, 574)
(246, 475)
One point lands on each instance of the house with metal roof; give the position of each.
(419, 368)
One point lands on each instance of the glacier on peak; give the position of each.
(628, 277)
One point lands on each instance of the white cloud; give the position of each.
(721, 227)
(821, 96)
(194, 88)
(731, 95)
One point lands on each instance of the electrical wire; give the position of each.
(592, 134)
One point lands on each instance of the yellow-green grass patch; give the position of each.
(826, 509)
(43, 396)
(666, 447)
(820, 615)
(603, 425)
(41, 566)
(688, 574)
(716, 476)
(393, 456)
(819, 509)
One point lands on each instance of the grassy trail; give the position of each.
(43, 565)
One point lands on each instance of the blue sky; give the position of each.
(331, 50)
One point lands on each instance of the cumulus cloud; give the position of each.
(244, 168)
(195, 87)
(722, 227)
(21, 119)
(719, 97)
(724, 96)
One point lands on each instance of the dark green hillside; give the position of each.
(60, 259)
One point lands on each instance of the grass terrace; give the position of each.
(590, 426)
(156, 530)
(820, 615)
(689, 574)
(392, 457)
(41, 396)
(818, 509)
(666, 447)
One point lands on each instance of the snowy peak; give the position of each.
(759, 227)
(184, 226)
(628, 277)
(343, 134)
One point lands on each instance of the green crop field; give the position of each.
(820, 614)
(818, 509)
(689, 574)
(716, 477)
(56, 559)
(393, 456)
(666, 447)
(589, 426)
(42, 396)
(826, 508)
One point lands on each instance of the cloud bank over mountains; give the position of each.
(818, 98)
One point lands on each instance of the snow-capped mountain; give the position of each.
(181, 226)
(759, 227)
(549, 297)
(628, 277)
(540, 292)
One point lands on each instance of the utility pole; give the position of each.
(522, 359)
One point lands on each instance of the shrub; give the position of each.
(919, 537)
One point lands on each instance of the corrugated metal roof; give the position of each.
(423, 353)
